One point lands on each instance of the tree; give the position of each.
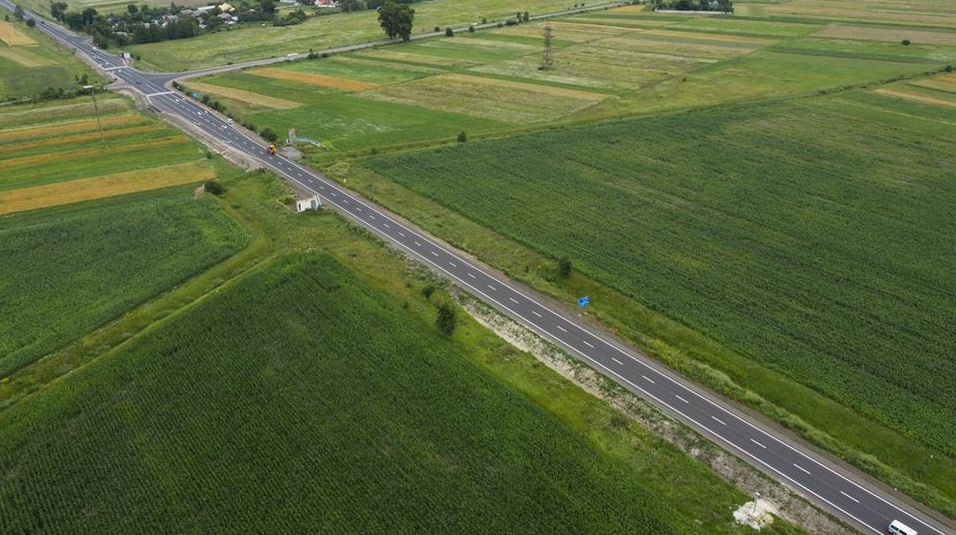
(18, 12)
(73, 20)
(213, 186)
(132, 9)
(89, 15)
(449, 32)
(267, 6)
(31, 23)
(462, 137)
(526, 17)
(564, 268)
(57, 10)
(100, 41)
(396, 20)
(268, 134)
(446, 319)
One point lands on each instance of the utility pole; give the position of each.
(96, 108)
(756, 498)
(547, 63)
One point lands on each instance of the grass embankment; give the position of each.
(712, 227)
(282, 411)
(66, 271)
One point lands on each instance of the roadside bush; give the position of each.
(446, 319)
(564, 268)
(471, 28)
(428, 290)
(213, 186)
(449, 32)
(268, 134)
(906, 42)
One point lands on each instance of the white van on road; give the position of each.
(898, 528)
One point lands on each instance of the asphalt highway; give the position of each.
(842, 491)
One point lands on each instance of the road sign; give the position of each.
(584, 301)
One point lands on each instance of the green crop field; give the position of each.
(606, 64)
(65, 271)
(28, 69)
(816, 256)
(271, 407)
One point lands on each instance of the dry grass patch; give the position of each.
(390, 65)
(594, 29)
(91, 152)
(13, 36)
(244, 96)
(320, 80)
(86, 189)
(52, 142)
(60, 112)
(873, 33)
(928, 12)
(24, 57)
(28, 132)
(917, 98)
(717, 37)
(384, 54)
(489, 98)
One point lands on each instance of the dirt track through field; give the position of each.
(86, 189)
(320, 80)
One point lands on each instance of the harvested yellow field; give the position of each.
(490, 98)
(917, 98)
(28, 132)
(598, 29)
(24, 57)
(393, 66)
(873, 33)
(715, 37)
(244, 96)
(942, 83)
(86, 189)
(88, 152)
(320, 80)
(52, 142)
(13, 36)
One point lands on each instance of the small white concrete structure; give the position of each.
(311, 203)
